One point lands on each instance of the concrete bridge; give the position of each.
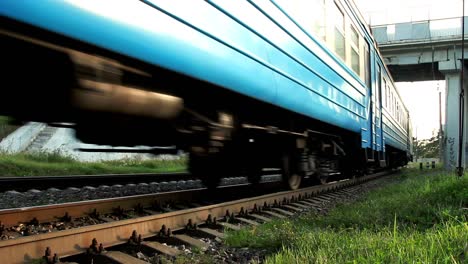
(425, 51)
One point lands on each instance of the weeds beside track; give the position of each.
(422, 218)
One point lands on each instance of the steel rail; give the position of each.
(75, 241)
(48, 213)
(44, 182)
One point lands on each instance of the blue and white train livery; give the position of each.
(239, 85)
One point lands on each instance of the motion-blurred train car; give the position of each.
(239, 85)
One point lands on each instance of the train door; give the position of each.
(372, 135)
(379, 143)
(368, 127)
(375, 113)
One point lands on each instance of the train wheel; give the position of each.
(207, 168)
(291, 177)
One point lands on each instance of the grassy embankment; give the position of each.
(45, 164)
(420, 219)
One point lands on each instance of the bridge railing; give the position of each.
(420, 31)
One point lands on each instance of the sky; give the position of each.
(421, 98)
(422, 101)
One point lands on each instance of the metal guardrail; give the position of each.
(419, 31)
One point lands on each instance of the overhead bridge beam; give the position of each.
(421, 51)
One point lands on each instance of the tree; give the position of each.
(427, 148)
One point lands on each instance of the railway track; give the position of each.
(92, 190)
(152, 222)
(21, 184)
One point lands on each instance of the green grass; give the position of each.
(420, 219)
(46, 164)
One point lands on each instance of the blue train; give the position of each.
(239, 85)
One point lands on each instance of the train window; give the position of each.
(384, 94)
(354, 36)
(379, 85)
(392, 102)
(367, 64)
(395, 110)
(355, 61)
(318, 18)
(310, 15)
(398, 112)
(377, 92)
(339, 19)
(387, 94)
(339, 33)
(400, 116)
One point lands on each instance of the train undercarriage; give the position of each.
(123, 102)
(246, 149)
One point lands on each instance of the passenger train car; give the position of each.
(239, 85)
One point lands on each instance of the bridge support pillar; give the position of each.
(452, 115)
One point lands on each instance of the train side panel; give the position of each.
(151, 36)
(395, 120)
(395, 135)
(275, 68)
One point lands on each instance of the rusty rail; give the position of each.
(75, 241)
(47, 213)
